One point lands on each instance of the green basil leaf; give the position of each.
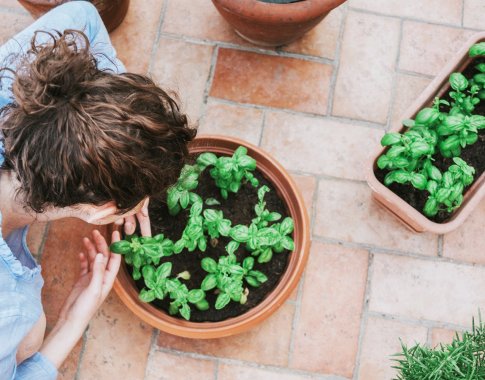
(202, 244)
(159, 292)
(136, 273)
(240, 151)
(432, 186)
(206, 159)
(286, 226)
(252, 281)
(260, 276)
(236, 270)
(273, 217)
(146, 295)
(383, 162)
(211, 215)
(222, 300)
(431, 207)
(239, 233)
(232, 247)
(434, 173)
(427, 116)
(408, 123)
(288, 243)
(420, 148)
(419, 181)
(121, 247)
(185, 311)
(477, 49)
(184, 199)
(209, 265)
(458, 82)
(202, 305)
(209, 282)
(248, 263)
(246, 162)
(179, 246)
(196, 295)
(391, 139)
(173, 196)
(262, 191)
(164, 270)
(477, 121)
(149, 276)
(173, 309)
(265, 256)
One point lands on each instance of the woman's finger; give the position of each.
(130, 225)
(101, 245)
(91, 250)
(83, 261)
(99, 269)
(120, 221)
(144, 221)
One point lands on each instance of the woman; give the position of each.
(81, 138)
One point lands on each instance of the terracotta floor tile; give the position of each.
(239, 372)
(204, 20)
(408, 88)
(268, 343)
(367, 62)
(423, 289)
(438, 11)
(467, 243)
(35, 236)
(346, 211)
(307, 185)
(319, 146)
(422, 47)
(224, 119)
(322, 40)
(60, 263)
(473, 14)
(163, 365)
(117, 344)
(12, 23)
(134, 43)
(326, 337)
(248, 77)
(441, 336)
(184, 68)
(381, 340)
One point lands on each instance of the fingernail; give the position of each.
(99, 258)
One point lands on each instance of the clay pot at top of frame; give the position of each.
(111, 11)
(286, 188)
(270, 24)
(411, 217)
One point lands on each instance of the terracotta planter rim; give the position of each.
(124, 285)
(393, 202)
(270, 12)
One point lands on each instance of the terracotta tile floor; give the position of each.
(332, 95)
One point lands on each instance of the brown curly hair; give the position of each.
(76, 134)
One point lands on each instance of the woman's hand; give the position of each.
(99, 268)
(141, 215)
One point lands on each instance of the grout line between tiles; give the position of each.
(251, 49)
(407, 18)
(216, 369)
(338, 50)
(81, 353)
(208, 83)
(429, 339)
(418, 322)
(273, 368)
(394, 252)
(263, 127)
(414, 74)
(151, 351)
(340, 119)
(296, 318)
(156, 41)
(364, 315)
(440, 245)
(390, 110)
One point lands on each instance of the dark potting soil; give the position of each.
(239, 208)
(473, 155)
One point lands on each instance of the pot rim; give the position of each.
(125, 288)
(403, 210)
(269, 12)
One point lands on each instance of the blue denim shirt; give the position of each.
(20, 276)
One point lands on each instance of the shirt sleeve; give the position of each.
(37, 367)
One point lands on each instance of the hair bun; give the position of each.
(53, 71)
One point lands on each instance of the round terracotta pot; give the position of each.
(287, 190)
(270, 24)
(111, 11)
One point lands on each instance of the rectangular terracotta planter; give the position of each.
(391, 201)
